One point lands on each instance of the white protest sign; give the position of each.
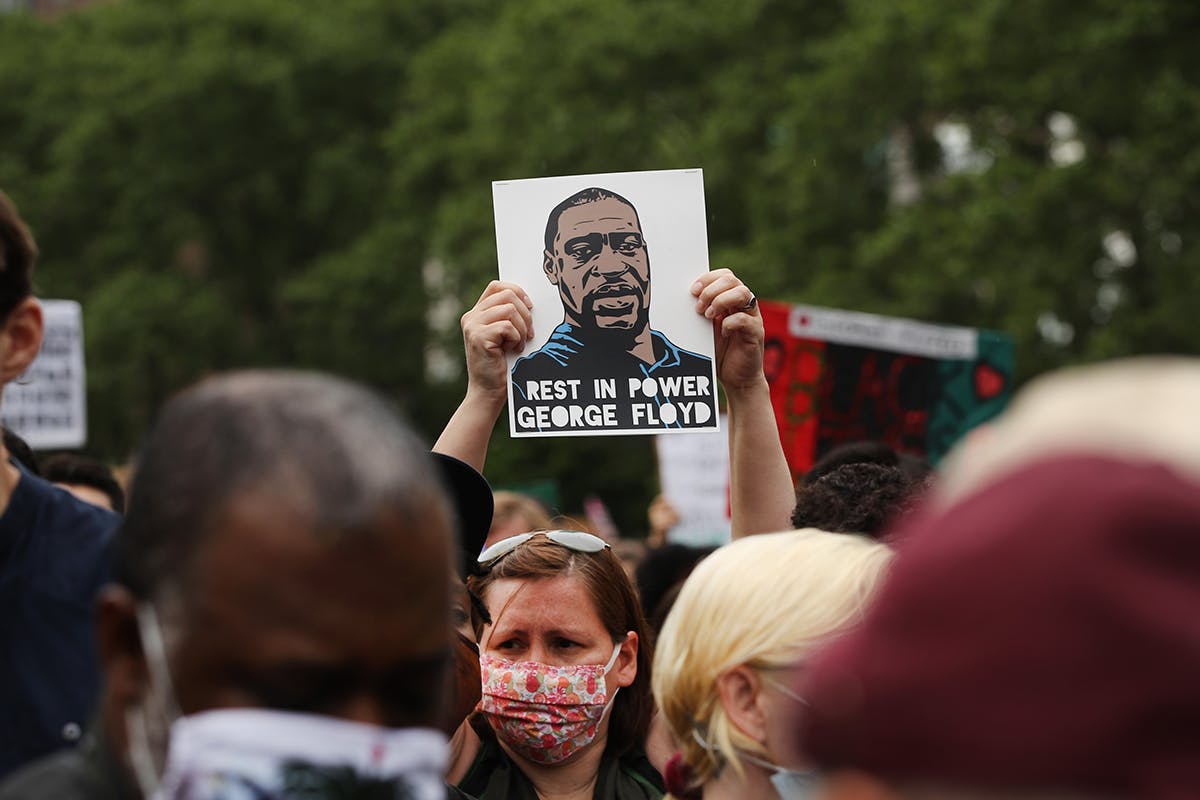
(694, 474)
(602, 361)
(884, 333)
(47, 407)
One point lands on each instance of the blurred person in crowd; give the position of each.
(1038, 638)
(630, 552)
(861, 498)
(20, 451)
(762, 494)
(281, 612)
(734, 647)
(565, 670)
(661, 573)
(472, 499)
(53, 555)
(516, 513)
(86, 478)
(661, 516)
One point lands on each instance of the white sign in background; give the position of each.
(47, 407)
(884, 333)
(671, 212)
(694, 474)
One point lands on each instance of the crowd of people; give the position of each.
(299, 599)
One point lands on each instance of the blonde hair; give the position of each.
(766, 601)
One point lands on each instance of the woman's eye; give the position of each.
(564, 644)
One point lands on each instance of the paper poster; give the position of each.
(843, 376)
(694, 474)
(48, 406)
(608, 261)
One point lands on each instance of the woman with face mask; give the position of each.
(733, 649)
(565, 674)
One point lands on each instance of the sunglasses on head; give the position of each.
(578, 541)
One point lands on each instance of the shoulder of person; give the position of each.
(638, 767)
(628, 777)
(60, 537)
(35, 501)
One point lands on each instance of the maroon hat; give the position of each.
(1041, 634)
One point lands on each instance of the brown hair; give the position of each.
(617, 606)
(16, 281)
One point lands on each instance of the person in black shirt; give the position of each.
(53, 556)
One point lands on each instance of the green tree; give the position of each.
(239, 182)
(216, 166)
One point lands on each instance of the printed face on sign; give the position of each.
(607, 365)
(598, 260)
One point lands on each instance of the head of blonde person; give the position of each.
(745, 621)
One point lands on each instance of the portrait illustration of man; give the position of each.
(597, 256)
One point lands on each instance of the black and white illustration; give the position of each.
(603, 363)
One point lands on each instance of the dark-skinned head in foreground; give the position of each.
(287, 548)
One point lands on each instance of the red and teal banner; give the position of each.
(843, 376)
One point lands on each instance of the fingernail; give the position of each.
(711, 312)
(528, 300)
(696, 287)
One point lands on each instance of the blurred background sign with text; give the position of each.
(47, 407)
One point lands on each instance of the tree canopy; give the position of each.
(300, 183)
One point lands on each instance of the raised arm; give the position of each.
(760, 484)
(499, 323)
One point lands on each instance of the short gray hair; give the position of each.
(334, 451)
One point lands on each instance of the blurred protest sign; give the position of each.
(843, 376)
(694, 474)
(47, 407)
(602, 360)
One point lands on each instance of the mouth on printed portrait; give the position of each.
(616, 305)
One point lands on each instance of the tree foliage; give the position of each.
(249, 182)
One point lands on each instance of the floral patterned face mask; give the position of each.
(545, 713)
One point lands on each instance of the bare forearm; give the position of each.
(467, 433)
(760, 484)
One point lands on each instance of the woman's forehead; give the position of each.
(562, 601)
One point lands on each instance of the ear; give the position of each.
(624, 671)
(550, 266)
(20, 338)
(125, 675)
(740, 692)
